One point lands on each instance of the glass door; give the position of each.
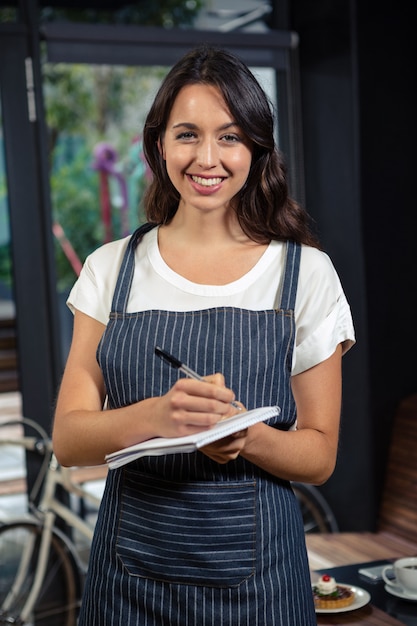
(94, 117)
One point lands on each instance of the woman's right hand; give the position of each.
(191, 406)
(84, 432)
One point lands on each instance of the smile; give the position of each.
(206, 182)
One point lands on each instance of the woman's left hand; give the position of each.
(228, 448)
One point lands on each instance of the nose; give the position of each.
(207, 153)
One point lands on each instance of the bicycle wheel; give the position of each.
(317, 514)
(58, 599)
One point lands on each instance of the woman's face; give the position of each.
(207, 155)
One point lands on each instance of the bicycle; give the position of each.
(42, 571)
(318, 516)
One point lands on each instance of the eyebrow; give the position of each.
(191, 126)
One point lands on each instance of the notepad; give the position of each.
(190, 443)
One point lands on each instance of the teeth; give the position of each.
(206, 182)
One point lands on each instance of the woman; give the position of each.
(227, 277)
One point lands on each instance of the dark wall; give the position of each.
(359, 103)
(388, 106)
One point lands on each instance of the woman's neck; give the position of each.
(205, 253)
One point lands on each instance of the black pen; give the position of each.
(174, 362)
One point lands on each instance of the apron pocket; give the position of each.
(198, 533)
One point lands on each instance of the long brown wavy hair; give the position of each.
(263, 206)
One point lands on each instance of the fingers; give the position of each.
(233, 410)
(226, 449)
(194, 405)
(240, 434)
(216, 379)
(197, 390)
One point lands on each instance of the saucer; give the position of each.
(400, 593)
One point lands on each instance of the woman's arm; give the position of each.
(309, 453)
(84, 433)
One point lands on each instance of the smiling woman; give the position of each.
(243, 103)
(227, 276)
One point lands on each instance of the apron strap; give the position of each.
(127, 269)
(292, 267)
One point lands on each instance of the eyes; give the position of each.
(191, 136)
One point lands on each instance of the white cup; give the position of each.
(405, 575)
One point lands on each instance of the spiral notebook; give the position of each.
(191, 443)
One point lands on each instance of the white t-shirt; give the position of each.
(322, 313)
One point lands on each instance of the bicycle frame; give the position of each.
(58, 475)
(45, 515)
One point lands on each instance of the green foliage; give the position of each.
(8, 15)
(5, 252)
(86, 105)
(5, 265)
(68, 97)
(75, 194)
(165, 13)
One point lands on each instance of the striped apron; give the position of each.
(181, 540)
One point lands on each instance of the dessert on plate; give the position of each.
(329, 595)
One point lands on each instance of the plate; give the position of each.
(362, 598)
(399, 593)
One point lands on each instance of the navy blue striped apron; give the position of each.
(181, 540)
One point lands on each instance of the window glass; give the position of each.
(8, 13)
(95, 116)
(163, 13)
(8, 344)
(6, 302)
(215, 15)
